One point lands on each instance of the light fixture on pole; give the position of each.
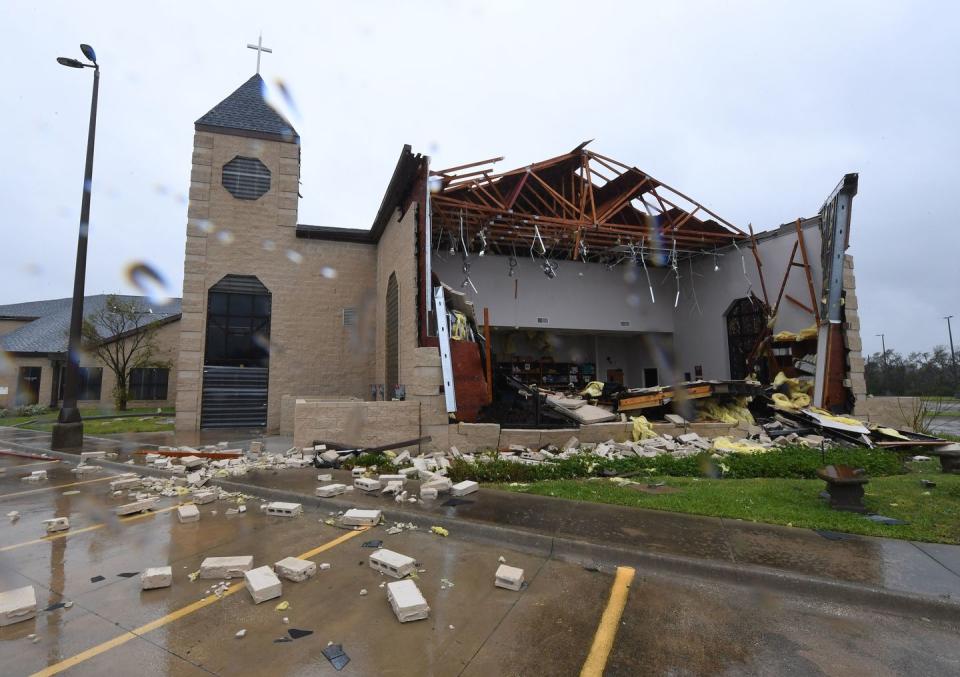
(68, 430)
(953, 355)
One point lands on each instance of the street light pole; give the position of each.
(953, 355)
(68, 430)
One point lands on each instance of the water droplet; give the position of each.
(269, 245)
(435, 184)
(204, 225)
(633, 300)
(630, 275)
(295, 256)
(149, 281)
(328, 272)
(225, 236)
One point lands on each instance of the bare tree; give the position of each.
(122, 334)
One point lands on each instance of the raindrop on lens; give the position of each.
(328, 272)
(294, 256)
(148, 281)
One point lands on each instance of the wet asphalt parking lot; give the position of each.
(669, 626)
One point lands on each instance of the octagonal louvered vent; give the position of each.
(246, 178)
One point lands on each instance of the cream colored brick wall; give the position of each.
(366, 424)
(312, 353)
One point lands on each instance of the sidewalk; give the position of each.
(925, 570)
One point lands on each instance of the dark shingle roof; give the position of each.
(48, 333)
(247, 113)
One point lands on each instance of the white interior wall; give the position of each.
(583, 296)
(700, 337)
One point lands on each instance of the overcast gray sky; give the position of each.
(754, 109)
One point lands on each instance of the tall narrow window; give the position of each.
(89, 385)
(392, 342)
(148, 384)
(238, 323)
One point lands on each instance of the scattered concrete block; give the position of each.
(325, 478)
(688, 438)
(441, 484)
(407, 601)
(366, 484)
(427, 493)
(125, 483)
(83, 469)
(256, 447)
(330, 490)
(196, 479)
(56, 524)
(35, 476)
(156, 577)
(191, 462)
(392, 478)
(410, 471)
(324, 566)
(355, 517)
(177, 469)
(281, 509)
(299, 461)
(263, 584)
(226, 567)
(358, 471)
(295, 569)
(136, 506)
(88, 455)
(392, 563)
(330, 457)
(188, 513)
(17, 605)
(464, 488)
(509, 577)
(393, 487)
(206, 496)
(676, 419)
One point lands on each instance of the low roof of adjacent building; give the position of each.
(48, 322)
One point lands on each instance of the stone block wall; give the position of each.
(366, 424)
(855, 379)
(312, 351)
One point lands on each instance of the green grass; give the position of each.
(933, 514)
(106, 426)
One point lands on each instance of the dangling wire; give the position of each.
(676, 271)
(512, 261)
(743, 264)
(693, 289)
(463, 240)
(716, 261)
(483, 242)
(643, 260)
(537, 239)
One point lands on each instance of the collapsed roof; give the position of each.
(577, 205)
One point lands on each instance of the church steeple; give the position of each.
(246, 113)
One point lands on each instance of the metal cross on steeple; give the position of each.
(260, 49)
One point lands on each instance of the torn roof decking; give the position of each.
(581, 196)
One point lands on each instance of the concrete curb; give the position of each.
(608, 556)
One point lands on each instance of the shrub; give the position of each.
(788, 462)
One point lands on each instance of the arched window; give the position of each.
(238, 323)
(746, 321)
(392, 342)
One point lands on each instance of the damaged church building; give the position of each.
(487, 306)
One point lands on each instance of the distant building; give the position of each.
(33, 353)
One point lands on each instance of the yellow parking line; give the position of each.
(609, 623)
(68, 663)
(56, 486)
(74, 532)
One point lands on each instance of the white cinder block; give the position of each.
(35, 476)
(156, 577)
(392, 478)
(366, 483)
(56, 524)
(327, 477)
(407, 601)
(355, 517)
(188, 513)
(464, 488)
(125, 483)
(392, 563)
(263, 584)
(191, 462)
(427, 493)
(205, 496)
(136, 506)
(84, 469)
(295, 569)
(17, 605)
(509, 577)
(358, 471)
(281, 509)
(225, 567)
(330, 490)
(86, 455)
(441, 484)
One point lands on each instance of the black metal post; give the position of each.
(953, 355)
(68, 430)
